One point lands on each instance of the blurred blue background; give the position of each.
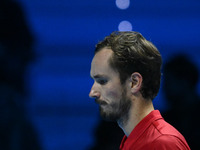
(65, 33)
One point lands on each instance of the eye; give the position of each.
(102, 81)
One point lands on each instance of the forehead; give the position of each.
(100, 63)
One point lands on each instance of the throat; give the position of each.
(123, 122)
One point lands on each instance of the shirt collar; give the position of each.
(141, 127)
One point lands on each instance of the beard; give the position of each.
(116, 110)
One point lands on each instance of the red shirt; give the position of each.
(154, 133)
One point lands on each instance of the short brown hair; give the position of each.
(133, 53)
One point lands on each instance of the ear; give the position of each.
(136, 82)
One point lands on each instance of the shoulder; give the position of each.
(165, 142)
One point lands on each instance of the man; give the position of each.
(126, 72)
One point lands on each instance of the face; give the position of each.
(107, 89)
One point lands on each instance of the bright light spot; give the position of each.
(122, 4)
(125, 26)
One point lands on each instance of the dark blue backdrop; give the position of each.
(66, 32)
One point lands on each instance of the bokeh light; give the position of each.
(122, 4)
(125, 26)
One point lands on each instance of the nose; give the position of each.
(94, 93)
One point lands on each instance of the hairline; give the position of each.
(111, 62)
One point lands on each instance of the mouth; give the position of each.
(100, 102)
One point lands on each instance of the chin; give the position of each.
(109, 116)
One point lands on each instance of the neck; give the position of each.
(139, 109)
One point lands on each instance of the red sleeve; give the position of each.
(168, 142)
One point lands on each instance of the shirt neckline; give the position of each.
(141, 127)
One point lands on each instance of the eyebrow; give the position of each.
(98, 76)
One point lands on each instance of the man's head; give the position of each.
(133, 53)
(120, 59)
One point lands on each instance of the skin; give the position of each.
(117, 102)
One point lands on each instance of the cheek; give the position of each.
(113, 94)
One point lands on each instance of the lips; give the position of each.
(100, 102)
